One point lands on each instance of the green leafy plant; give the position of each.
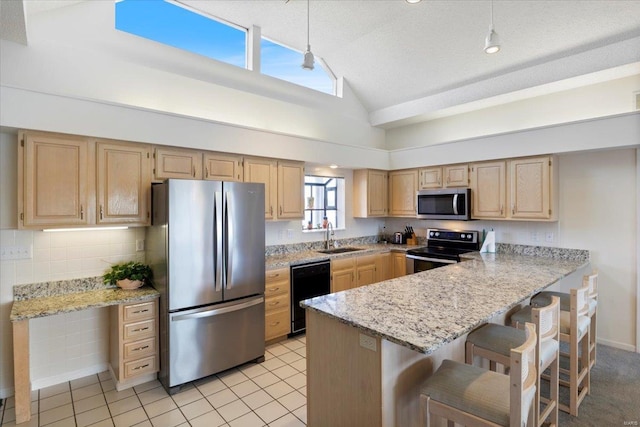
(131, 270)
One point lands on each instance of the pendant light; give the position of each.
(307, 63)
(492, 42)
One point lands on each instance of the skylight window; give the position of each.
(284, 63)
(168, 23)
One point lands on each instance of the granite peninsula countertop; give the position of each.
(50, 298)
(427, 310)
(311, 255)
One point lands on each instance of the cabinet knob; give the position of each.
(81, 212)
(100, 211)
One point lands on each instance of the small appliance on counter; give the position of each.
(405, 237)
(443, 247)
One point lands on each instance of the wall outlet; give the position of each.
(548, 237)
(139, 245)
(534, 236)
(289, 233)
(368, 342)
(16, 252)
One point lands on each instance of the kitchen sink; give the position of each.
(338, 250)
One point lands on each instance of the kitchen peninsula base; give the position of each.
(348, 384)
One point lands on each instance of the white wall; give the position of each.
(598, 193)
(592, 101)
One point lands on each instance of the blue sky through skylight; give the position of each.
(285, 63)
(178, 27)
(173, 25)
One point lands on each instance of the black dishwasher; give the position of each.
(307, 281)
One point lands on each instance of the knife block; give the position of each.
(412, 240)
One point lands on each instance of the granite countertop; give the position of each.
(312, 255)
(50, 298)
(427, 310)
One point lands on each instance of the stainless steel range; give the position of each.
(444, 247)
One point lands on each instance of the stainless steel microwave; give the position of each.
(446, 203)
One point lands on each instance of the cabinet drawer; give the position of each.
(276, 303)
(138, 349)
(140, 366)
(343, 263)
(273, 276)
(138, 330)
(279, 288)
(277, 324)
(135, 312)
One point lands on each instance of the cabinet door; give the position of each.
(399, 264)
(341, 280)
(222, 167)
(370, 190)
(264, 171)
(290, 190)
(530, 188)
(377, 192)
(430, 178)
(366, 270)
(176, 163)
(456, 176)
(402, 193)
(123, 183)
(488, 190)
(53, 174)
(384, 266)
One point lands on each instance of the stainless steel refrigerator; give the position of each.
(206, 250)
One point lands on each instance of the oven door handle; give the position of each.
(442, 261)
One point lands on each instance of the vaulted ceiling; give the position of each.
(411, 62)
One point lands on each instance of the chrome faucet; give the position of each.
(328, 236)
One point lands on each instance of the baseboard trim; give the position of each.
(7, 392)
(616, 344)
(68, 376)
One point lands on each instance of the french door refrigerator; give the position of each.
(206, 250)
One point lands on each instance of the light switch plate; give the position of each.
(15, 252)
(139, 245)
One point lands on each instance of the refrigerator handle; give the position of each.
(217, 311)
(229, 232)
(217, 239)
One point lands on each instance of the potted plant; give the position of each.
(128, 275)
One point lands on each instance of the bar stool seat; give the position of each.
(474, 390)
(501, 339)
(524, 315)
(543, 299)
(473, 396)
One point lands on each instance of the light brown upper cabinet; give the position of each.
(264, 171)
(123, 183)
(430, 178)
(222, 167)
(290, 190)
(370, 191)
(403, 185)
(456, 176)
(176, 163)
(55, 186)
(532, 188)
(488, 190)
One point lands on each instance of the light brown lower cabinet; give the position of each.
(399, 261)
(133, 342)
(277, 304)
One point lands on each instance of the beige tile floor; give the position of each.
(272, 394)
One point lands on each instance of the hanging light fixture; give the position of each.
(307, 63)
(492, 42)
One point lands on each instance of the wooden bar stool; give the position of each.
(473, 396)
(591, 280)
(574, 329)
(494, 342)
